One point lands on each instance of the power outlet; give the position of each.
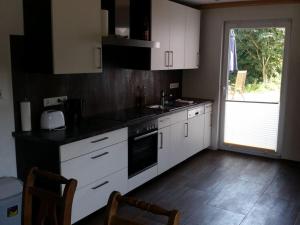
(174, 85)
(54, 101)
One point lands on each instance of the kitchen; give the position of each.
(116, 89)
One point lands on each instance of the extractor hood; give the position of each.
(121, 16)
(120, 41)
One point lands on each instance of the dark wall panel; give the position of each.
(114, 89)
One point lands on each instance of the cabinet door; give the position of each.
(76, 36)
(195, 137)
(164, 150)
(207, 130)
(192, 38)
(177, 30)
(179, 133)
(160, 31)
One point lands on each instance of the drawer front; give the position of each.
(90, 167)
(208, 108)
(164, 122)
(95, 196)
(85, 146)
(178, 117)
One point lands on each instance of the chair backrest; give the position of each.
(53, 208)
(116, 198)
(240, 80)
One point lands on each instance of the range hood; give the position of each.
(122, 16)
(120, 41)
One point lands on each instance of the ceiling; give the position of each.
(200, 2)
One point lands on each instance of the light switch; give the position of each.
(174, 85)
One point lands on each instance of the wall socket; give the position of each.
(174, 85)
(54, 101)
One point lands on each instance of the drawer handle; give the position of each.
(161, 140)
(100, 185)
(98, 156)
(99, 140)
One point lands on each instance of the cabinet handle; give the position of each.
(161, 140)
(99, 140)
(98, 156)
(172, 57)
(187, 130)
(99, 60)
(167, 59)
(198, 59)
(100, 185)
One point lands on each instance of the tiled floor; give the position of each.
(222, 188)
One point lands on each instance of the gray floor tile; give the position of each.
(272, 211)
(239, 196)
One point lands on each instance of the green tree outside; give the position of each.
(260, 52)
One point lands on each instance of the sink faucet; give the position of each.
(162, 98)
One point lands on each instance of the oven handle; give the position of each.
(145, 136)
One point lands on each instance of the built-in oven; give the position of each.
(142, 147)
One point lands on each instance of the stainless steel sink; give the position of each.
(155, 107)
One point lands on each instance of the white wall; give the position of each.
(11, 22)
(205, 82)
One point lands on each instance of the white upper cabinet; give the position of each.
(76, 36)
(177, 28)
(192, 38)
(160, 31)
(63, 36)
(177, 34)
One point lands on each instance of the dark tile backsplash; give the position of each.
(114, 89)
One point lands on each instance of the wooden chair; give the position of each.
(240, 82)
(53, 208)
(116, 198)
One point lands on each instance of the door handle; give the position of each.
(167, 59)
(98, 58)
(98, 156)
(172, 57)
(99, 140)
(187, 130)
(161, 140)
(100, 185)
(145, 136)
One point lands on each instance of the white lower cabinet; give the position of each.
(186, 137)
(96, 164)
(195, 134)
(100, 165)
(178, 142)
(95, 195)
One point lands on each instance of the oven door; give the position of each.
(142, 153)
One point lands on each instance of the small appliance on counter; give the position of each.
(53, 120)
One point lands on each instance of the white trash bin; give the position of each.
(10, 201)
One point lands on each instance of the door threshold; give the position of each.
(252, 151)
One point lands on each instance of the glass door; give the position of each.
(252, 87)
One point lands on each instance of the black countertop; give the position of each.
(103, 123)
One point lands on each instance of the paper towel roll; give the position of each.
(104, 22)
(25, 116)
